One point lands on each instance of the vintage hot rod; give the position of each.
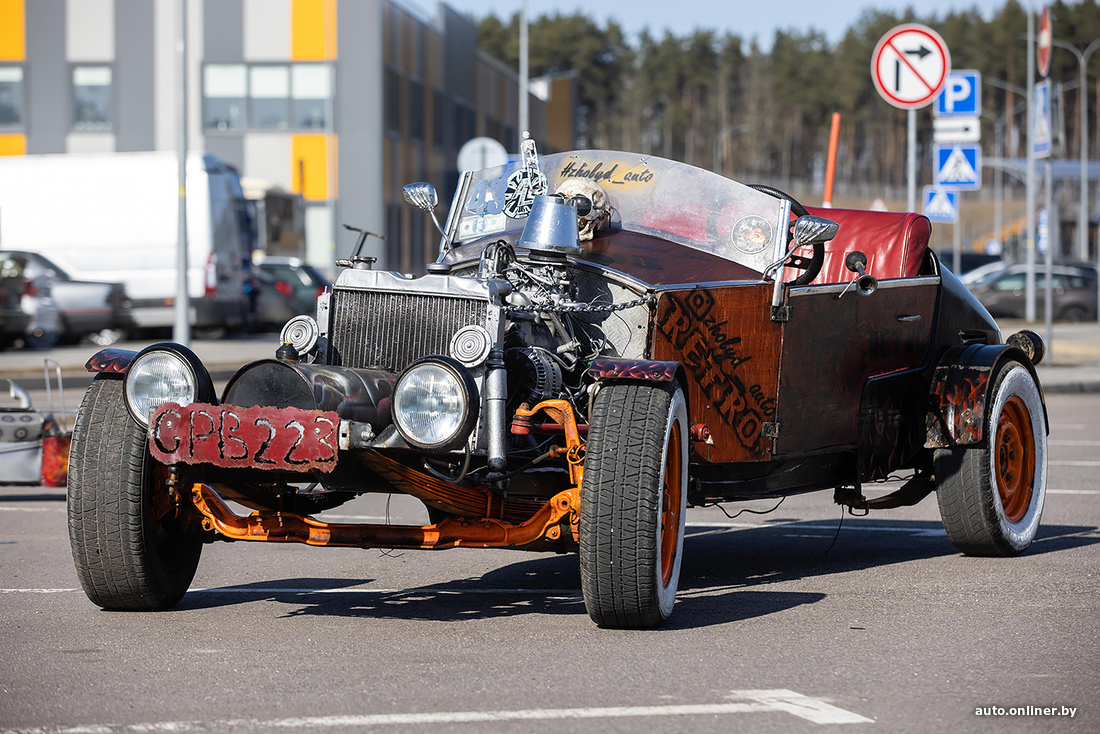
(605, 340)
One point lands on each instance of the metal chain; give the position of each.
(582, 307)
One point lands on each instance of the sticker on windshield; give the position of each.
(751, 234)
(609, 173)
(523, 186)
(471, 228)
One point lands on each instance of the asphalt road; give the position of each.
(777, 628)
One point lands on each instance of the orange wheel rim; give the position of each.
(671, 499)
(1014, 459)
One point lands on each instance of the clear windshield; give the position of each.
(647, 194)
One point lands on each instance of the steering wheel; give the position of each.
(810, 266)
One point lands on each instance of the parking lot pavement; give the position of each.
(1072, 364)
(26, 366)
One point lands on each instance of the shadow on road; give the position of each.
(728, 575)
(40, 497)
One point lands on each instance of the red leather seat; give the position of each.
(894, 242)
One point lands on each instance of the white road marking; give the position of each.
(1073, 491)
(4, 508)
(814, 710)
(1074, 463)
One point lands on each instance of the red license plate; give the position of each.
(260, 438)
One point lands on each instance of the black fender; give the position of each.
(961, 389)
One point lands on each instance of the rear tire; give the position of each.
(1075, 315)
(129, 548)
(991, 495)
(633, 503)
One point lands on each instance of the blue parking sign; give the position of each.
(961, 95)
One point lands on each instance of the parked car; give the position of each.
(275, 301)
(968, 261)
(30, 313)
(605, 340)
(294, 278)
(1003, 291)
(92, 309)
(13, 319)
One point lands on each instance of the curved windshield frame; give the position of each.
(648, 195)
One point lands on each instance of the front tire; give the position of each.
(991, 496)
(130, 549)
(633, 504)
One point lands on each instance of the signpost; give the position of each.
(961, 95)
(957, 131)
(909, 67)
(1043, 43)
(940, 205)
(958, 166)
(958, 109)
(1042, 138)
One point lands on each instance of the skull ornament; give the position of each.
(598, 215)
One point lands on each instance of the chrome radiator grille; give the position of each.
(390, 330)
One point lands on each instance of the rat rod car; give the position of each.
(604, 340)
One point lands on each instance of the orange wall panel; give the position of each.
(13, 44)
(309, 160)
(13, 144)
(312, 30)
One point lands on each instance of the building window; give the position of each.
(11, 97)
(439, 117)
(392, 101)
(310, 88)
(92, 97)
(225, 89)
(416, 110)
(419, 252)
(465, 123)
(268, 94)
(393, 236)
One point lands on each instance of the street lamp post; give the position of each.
(1000, 145)
(1082, 202)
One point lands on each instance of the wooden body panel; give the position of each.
(729, 346)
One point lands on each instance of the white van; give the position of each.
(113, 217)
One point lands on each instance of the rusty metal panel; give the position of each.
(290, 439)
(730, 349)
(638, 369)
(110, 360)
(832, 346)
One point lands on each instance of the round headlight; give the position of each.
(155, 378)
(435, 404)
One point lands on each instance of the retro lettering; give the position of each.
(712, 357)
(612, 174)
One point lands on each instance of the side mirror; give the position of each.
(421, 195)
(811, 230)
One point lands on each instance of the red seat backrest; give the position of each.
(894, 243)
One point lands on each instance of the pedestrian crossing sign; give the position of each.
(958, 166)
(1041, 137)
(941, 205)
